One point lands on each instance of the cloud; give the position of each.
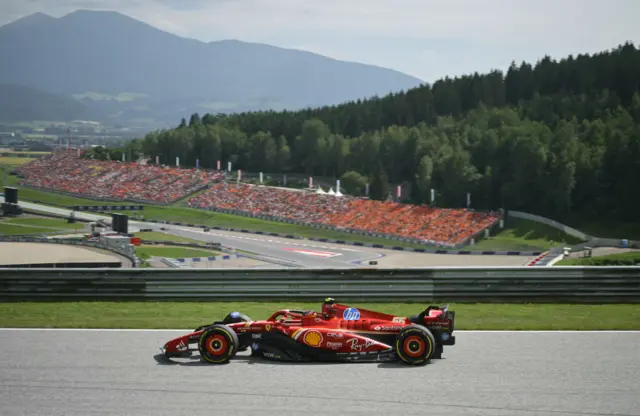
(426, 38)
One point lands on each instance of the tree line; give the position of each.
(555, 138)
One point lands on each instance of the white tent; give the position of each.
(331, 192)
(339, 193)
(320, 191)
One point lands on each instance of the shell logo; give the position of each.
(313, 338)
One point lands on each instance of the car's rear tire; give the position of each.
(415, 345)
(218, 344)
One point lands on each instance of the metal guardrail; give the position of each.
(485, 285)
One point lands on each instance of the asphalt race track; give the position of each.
(307, 253)
(97, 372)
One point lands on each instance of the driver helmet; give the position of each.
(328, 308)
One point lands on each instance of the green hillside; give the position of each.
(555, 138)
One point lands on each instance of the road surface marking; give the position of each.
(325, 254)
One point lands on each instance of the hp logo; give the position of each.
(351, 314)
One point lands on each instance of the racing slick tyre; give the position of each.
(415, 345)
(218, 344)
(234, 318)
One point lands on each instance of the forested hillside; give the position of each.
(555, 138)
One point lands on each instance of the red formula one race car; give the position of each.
(338, 333)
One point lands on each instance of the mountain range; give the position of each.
(123, 70)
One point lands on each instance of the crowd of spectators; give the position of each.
(65, 171)
(432, 225)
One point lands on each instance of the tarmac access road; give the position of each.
(307, 253)
(510, 373)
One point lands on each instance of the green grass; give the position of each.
(44, 222)
(526, 235)
(14, 161)
(619, 259)
(145, 252)
(25, 152)
(158, 236)
(17, 230)
(611, 228)
(177, 315)
(17, 226)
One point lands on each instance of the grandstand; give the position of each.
(420, 222)
(65, 171)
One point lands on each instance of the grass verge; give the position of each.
(18, 226)
(158, 236)
(44, 222)
(525, 235)
(17, 230)
(176, 315)
(618, 259)
(14, 161)
(145, 252)
(611, 228)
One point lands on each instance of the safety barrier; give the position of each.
(499, 284)
(182, 263)
(210, 258)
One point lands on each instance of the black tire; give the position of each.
(218, 344)
(415, 345)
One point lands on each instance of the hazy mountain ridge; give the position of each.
(19, 103)
(110, 54)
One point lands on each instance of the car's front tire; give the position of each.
(218, 344)
(415, 345)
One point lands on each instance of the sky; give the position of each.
(428, 39)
